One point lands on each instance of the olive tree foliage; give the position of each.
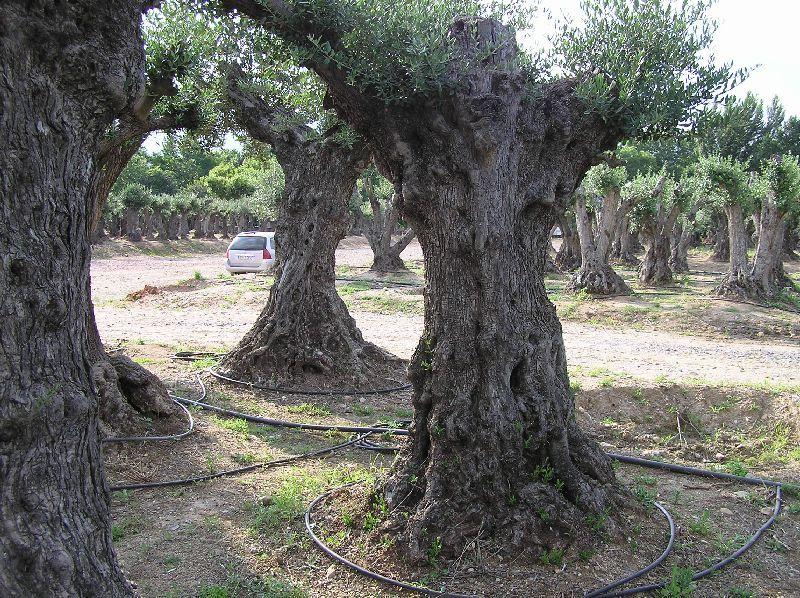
(177, 94)
(485, 145)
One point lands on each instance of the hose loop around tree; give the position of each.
(363, 441)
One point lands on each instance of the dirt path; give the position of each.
(209, 318)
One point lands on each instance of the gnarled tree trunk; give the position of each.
(386, 255)
(656, 231)
(625, 244)
(568, 257)
(720, 238)
(735, 283)
(791, 241)
(680, 241)
(305, 331)
(68, 69)
(596, 276)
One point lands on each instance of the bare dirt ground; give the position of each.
(639, 340)
(726, 395)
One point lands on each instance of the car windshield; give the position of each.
(248, 243)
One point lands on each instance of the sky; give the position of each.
(762, 34)
(751, 32)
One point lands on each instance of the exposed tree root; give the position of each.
(602, 281)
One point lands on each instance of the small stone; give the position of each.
(265, 500)
(719, 457)
(744, 494)
(726, 511)
(766, 511)
(331, 570)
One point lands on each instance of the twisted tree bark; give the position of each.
(68, 69)
(386, 255)
(480, 175)
(568, 257)
(596, 276)
(305, 331)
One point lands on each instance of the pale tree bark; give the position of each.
(767, 276)
(568, 257)
(735, 282)
(595, 275)
(379, 231)
(68, 69)
(305, 332)
(681, 239)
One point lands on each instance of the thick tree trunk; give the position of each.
(568, 257)
(655, 269)
(720, 239)
(596, 276)
(305, 332)
(628, 244)
(491, 393)
(767, 276)
(736, 283)
(657, 231)
(183, 225)
(132, 229)
(680, 242)
(68, 68)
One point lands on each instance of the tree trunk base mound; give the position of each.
(129, 393)
(604, 281)
(363, 367)
(388, 263)
(740, 289)
(358, 514)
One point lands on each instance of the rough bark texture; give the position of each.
(379, 234)
(657, 230)
(720, 239)
(480, 175)
(568, 257)
(735, 283)
(680, 241)
(67, 69)
(625, 244)
(596, 276)
(305, 331)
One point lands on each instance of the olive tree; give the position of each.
(599, 210)
(69, 69)
(305, 332)
(484, 147)
(728, 188)
(382, 223)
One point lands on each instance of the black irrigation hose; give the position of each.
(292, 391)
(240, 470)
(189, 430)
(296, 425)
(637, 574)
(716, 566)
(362, 441)
(361, 570)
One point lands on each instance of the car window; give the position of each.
(248, 243)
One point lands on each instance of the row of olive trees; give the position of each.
(666, 195)
(229, 199)
(483, 143)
